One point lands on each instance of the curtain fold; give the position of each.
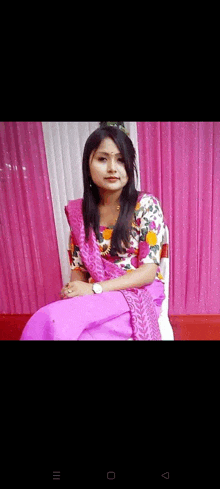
(180, 164)
(30, 266)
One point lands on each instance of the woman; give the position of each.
(116, 289)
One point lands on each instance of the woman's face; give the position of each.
(105, 162)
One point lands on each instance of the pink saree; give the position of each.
(141, 304)
(118, 315)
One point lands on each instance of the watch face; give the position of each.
(97, 288)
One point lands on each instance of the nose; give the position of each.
(112, 165)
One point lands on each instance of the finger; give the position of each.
(70, 295)
(63, 291)
(66, 287)
(64, 296)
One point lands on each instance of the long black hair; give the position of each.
(129, 194)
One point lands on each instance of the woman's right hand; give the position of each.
(63, 290)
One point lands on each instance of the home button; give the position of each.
(110, 475)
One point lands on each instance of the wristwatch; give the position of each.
(97, 288)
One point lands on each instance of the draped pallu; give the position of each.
(143, 311)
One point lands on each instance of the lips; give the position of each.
(112, 178)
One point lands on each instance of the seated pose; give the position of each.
(116, 289)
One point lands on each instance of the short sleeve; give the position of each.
(152, 229)
(74, 256)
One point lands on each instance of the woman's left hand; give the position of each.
(77, 288)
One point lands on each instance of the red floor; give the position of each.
(196, 327)
(185, 327)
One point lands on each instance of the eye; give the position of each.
(121, 160)
(101, 158)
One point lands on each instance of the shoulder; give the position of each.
(74, 202)
(73, 205)
(73, 211)
(147, 203)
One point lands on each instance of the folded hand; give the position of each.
(77, 288)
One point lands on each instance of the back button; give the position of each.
(166, 475)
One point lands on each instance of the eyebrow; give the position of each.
(107, 154)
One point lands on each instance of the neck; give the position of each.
(109, 198)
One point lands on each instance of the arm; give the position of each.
(79, 275)
(143, 275)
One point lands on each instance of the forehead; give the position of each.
(108, 146)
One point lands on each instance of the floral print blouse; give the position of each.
(145, 239)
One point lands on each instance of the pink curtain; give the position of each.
(180, 164)
(30, 266)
